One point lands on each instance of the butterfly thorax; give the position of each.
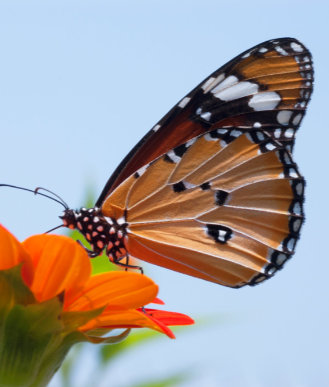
(100, 231)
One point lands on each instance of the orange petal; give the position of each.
(13, 253)
(121, 319)
(60, 264)
(126, 290)
(157, 301)
(169, 318)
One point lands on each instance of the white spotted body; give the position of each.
(103, 233)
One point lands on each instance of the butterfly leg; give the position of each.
(91, 254)
(127, 266)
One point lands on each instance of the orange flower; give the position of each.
(55, 265)
(49, 301)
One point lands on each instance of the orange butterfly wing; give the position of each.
(265, 88)
(228, 211)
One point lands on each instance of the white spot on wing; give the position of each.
(173, 156)
(236, 133)
(239, 90)
(268, 100)
(188, 185)
(289, 133)
(297, 119)
(141, 170)
(272, 270)
(212, 82)
(299, 189)
(225, 83)
(296, 47)
(283, 117)
(291, 244)
(293, 173)
(277, 133)
(280, 50)
(296, 225)
(260, 136)
(190, 142)
(156, 128)
(297, 209)
(109, 220)
(207, 137)
(280, 259)
(206, 116)
(184, 102)
(121, 221)
(269, 146)
(246, 55)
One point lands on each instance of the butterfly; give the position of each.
(212, 190)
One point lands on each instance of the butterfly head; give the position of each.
(69, 218)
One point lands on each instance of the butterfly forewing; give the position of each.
(266, 88)
(228, 211)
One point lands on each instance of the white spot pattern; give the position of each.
(297, 119)
(280, 259)
(299, 189)
(268, 100)
(236, 91)
(280, 50)
(156, 128)
(289, 133)
(297, 209)
(283, 117)
(184, 102)
(171, 154)
(296, 47)
(208, 137)
(296, 225)
(212, 82)
(206, 116)
(277, 133)
(227, 82)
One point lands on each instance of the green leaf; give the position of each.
(74, 320)
(13, 289)
(26, 335)
(109, 339)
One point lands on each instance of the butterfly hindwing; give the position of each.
(266, 88)
(228, 211)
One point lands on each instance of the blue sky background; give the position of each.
(80, 84)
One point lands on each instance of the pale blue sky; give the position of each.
(80, 84)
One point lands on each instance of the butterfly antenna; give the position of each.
(55, 228)
(60, 201)
(36, 191)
